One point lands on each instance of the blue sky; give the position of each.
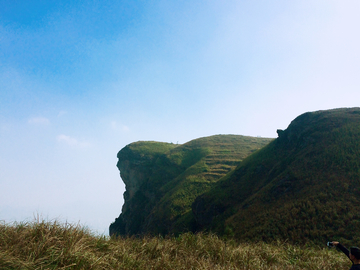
(79, 80)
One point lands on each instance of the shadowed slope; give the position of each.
(304, 186)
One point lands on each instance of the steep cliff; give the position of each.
(162, 180)
(137, 163)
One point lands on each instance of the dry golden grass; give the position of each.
(52, 245)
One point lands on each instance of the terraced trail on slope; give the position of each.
(226, 155)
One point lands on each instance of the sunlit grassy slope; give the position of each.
(162, 180)
(52, 245)
(303, 187)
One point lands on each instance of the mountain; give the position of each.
(162, 180)
(303, 186)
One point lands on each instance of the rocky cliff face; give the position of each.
(134, 168)
(136, 163)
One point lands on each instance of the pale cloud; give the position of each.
(115, 126)
(71, 141)
(5, 128)
(61, 113)
(38, 121)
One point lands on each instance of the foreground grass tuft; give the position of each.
(52, 245)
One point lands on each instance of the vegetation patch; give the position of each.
(53, 245)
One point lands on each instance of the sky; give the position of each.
(79, 80)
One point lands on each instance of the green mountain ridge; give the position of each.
(300, 187)
(303, 186)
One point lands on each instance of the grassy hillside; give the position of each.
(52, 245)
(304, 186)
(162, 180)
